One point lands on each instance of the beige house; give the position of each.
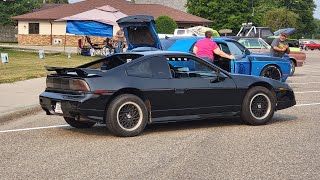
(41, 27)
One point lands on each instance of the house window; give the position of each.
(33, 28)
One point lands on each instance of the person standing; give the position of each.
(279, 46)
(206, 48)
(120, 39)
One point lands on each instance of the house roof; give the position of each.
(124, 6)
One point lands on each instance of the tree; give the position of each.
(18, 7)
(280, 18)
(226, 14)
(317, 31)
(232, 13)
(14, 8)
(165, 25)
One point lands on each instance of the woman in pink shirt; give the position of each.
(206, 48)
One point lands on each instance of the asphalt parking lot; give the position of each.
(44, 147)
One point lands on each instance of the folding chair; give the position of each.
(96, 47)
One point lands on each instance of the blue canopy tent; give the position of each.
(90, 28)
(96, 22)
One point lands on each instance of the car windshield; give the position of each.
(166, 43)
(250, 43)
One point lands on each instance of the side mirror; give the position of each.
(218, 78)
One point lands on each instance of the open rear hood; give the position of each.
(140, 31)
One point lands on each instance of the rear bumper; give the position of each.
(86, 106)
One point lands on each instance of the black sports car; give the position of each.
(127, 91)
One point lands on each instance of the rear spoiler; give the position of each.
(81, 72)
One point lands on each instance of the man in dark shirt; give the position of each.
(279, 46)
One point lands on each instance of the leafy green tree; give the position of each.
(280, 18)
(232, 13)
(18, 7)
(14, 8)
(165, 25)
(317, 30)
(224, 14)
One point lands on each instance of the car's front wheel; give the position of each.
(292, 67)
(126, 115)
(79, 124)
(272, 72)
(258, 106)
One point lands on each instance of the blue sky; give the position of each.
(316, 13)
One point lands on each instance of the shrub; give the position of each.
(165, 25)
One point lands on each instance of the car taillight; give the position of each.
(49, 83)
(78, 85)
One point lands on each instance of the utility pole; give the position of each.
(44, 1)
(252, 5)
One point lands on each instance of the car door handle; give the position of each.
(179, 91)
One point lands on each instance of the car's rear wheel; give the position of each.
(306, 48)
(79, 124)
(292, 67)
(272, 72)
(258, 106)
(127, 115)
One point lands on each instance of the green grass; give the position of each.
(27, 65)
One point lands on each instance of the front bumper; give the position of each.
(85, 107)
(285, 99)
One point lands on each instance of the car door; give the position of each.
(242, 63)
(194, 91)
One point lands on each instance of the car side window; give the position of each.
(189, 67)
(224, 48)
(236, 48)
(153, 67)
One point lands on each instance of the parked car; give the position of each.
(258, 45)
(245, 62)
(141, 35)
(127, 91)
(311, 45)
(249, 30)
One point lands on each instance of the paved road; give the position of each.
(288, 148)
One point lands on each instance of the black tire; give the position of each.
(258, 106)
(272, 72)
(127, 115)
(292, 67)
(306, 48)
(79, 124)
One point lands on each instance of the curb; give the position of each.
(30, 50)
(20, 113)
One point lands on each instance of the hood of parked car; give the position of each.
(140, 31)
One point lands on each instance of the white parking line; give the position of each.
(305, 83)
(28, 129)
(312, 104)
(306, 92)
